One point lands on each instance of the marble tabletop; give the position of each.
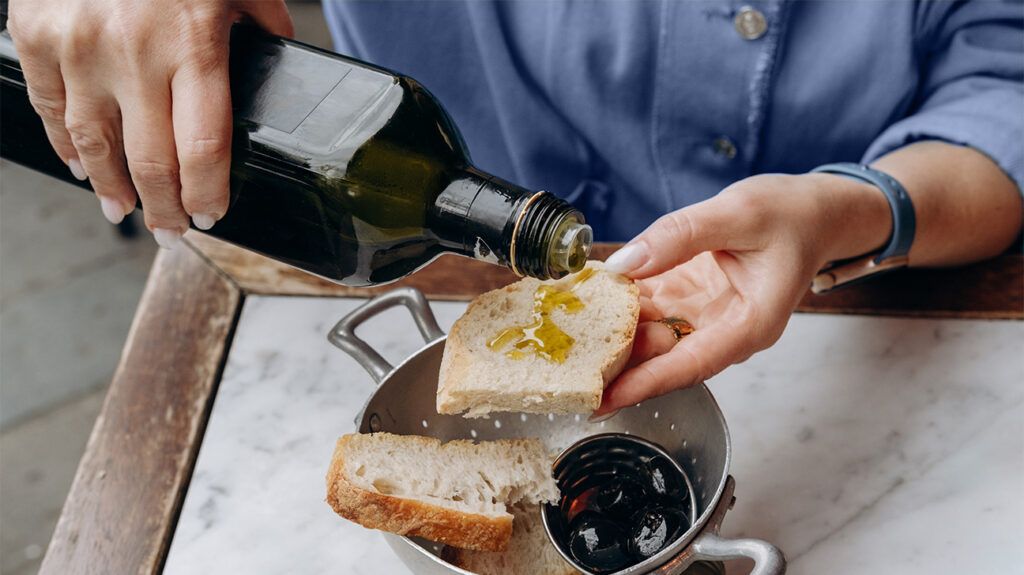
(861, 445)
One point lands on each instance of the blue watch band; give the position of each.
(904, 222)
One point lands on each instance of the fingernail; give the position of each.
(627, 259)
(204, 221)
(77, 170)
(602, 417)
(112, 210)
(167, 238)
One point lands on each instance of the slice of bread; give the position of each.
(477, 380)
(529, 552)
(455, 493)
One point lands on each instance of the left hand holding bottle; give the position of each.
(735, 267)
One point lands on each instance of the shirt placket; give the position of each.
(715, 68)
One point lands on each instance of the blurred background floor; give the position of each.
(69, 285)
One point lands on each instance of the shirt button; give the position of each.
(724, 147)
(750, 23)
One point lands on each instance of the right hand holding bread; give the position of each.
(134, 95)
(734, 266)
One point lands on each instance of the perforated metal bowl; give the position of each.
(688, 424)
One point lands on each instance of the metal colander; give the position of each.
(687, 423)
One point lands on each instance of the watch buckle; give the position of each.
(838, 275)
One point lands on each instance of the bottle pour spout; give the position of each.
(570, 247)
(551, 240)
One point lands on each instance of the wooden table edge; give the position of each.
(131, 481)
(993, 289)
(127, 494)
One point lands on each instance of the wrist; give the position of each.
(855, 217)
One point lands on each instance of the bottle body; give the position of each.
(339, 168)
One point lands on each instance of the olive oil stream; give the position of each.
(542, 336)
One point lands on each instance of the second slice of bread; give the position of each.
(477, 380)
(454, 492)
(530, 552)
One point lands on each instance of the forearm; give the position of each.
(967, 209)
(736, 265)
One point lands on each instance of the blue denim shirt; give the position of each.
(632, 109)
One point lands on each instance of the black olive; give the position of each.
(663, 478)
(620, 498)
(598, 544)
(653, 529)
(582, 517)
(583, 502)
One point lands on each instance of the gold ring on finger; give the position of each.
(680, 327)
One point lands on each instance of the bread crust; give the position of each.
(529, 552)
(409, 517)
(614, 366)
(454, 365)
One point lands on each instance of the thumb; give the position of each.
(677, 237)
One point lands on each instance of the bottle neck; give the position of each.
(534, 233)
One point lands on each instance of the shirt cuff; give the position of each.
(990, 122)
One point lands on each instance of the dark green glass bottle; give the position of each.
(346, 170)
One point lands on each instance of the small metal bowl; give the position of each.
(687, 423)
(604, 453)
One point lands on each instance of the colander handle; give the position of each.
(343, 335)
(768, 560)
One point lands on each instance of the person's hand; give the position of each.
(735, 267)
(134, 95)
